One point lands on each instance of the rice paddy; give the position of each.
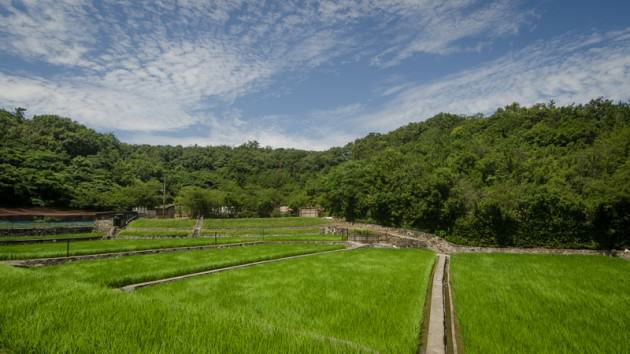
(155, 233)
(357, 301)
(58, 249)
(365, 300)
(117, 272)
(542, 303)
(163, 223)
(265, 222)
(50, 236)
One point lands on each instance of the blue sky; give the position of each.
(308, 75)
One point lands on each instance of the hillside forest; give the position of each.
(524, 176)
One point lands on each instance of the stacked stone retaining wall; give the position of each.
(405, 238)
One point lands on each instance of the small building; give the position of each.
(163, 211)
(285, 210)
(310, 212)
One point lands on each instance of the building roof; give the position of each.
(16, 212)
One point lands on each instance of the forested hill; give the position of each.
(543, 175)
(53, 161)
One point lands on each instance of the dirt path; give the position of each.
(132, 287)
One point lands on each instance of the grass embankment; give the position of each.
(122, 271)
(163, 223)
(542, 303)
(50, 236)
(264, 222)
(356, 301)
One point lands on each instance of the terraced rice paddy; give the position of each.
(117, 272)
(356, 301)
(542, 303)
(265, 222)
(271, 231)
(58, 249)
(50, 236)
(163, 223)
(155, 233)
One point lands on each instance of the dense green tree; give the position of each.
(524, 176)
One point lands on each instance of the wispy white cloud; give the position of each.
(567, 69)
(161, 65)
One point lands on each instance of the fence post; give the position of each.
(215, 237)
(67, 248)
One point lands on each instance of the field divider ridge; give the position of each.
(132, 287)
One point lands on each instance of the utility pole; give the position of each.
(164, 197)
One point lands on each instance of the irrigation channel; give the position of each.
(441, 337)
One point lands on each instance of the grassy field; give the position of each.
(122, 271)
(155, 233)
(90, 247)
(264, 222)
(542, 303)
(232, 239)
(358, 301)
(58, 249)
(163, 223)
(50, 236)
(260, 231)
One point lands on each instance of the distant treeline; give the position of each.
(538, 176)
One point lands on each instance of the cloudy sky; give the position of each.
(304, 74)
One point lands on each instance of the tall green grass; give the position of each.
(163, 223)
(542, 303)
(50, 236)
(265, 222)
(358, 301)
(128, 270)
(261, 231)
(58, 249)
(155, 233)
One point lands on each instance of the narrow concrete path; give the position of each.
(436, 338)
(132, 287)
(197, 228)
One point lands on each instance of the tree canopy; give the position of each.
(524, 176)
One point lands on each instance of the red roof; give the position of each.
(43, 212)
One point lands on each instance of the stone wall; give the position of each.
(410, 238)
(104, 225)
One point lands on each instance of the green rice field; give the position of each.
(58, 249)
(120, 271)
(50, 236)
(265, 222)
(261, 231)
(155, 233)
(367, 300)
(163, 223)
(542, 303)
